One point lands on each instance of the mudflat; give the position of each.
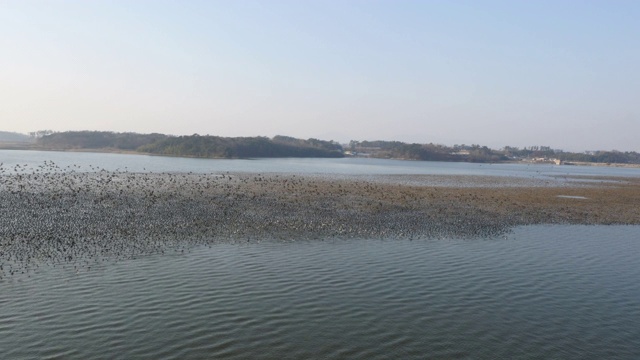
(76, 217)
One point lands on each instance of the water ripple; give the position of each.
(544, 292)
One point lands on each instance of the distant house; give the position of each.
(544, 160)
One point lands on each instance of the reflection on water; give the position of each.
(542, 292)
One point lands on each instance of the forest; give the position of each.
(209, 146)
(205, 146)
(483, 154)
(426, 152)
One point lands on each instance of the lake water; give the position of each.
(347, 166)
(541, 292)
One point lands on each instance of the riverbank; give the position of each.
(83, 217)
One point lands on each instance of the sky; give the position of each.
(564, 74)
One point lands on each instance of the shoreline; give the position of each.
(19, 146)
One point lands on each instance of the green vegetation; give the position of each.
(98, 140)
(628, 157)
(193, 145)
(242, 147)
(207, 146)
(602, 157)
(428, 152)
(477, 153)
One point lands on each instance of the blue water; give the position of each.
(352, 166)
(543, 292)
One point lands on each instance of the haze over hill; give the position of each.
(8, 136)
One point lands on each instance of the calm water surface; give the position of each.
(543, 292)
(350, 166)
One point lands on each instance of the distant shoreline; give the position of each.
(583, 163)
(33, 147)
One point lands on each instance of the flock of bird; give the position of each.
(69, 217)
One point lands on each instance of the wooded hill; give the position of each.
(477, 153)
(207, 146)
(427, 152)
(204, 146)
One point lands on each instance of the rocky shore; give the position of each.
(54, 217)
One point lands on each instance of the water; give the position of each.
(543, 292)
(351, 166)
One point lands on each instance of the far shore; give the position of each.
(32, 147)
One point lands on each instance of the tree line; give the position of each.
(603, 157)
(205, 146)
(478, 153)
(208, 146)
(426, 152)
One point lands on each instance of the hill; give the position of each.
(191, 146)
(7, 136)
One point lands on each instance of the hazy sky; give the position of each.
(559, 73)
